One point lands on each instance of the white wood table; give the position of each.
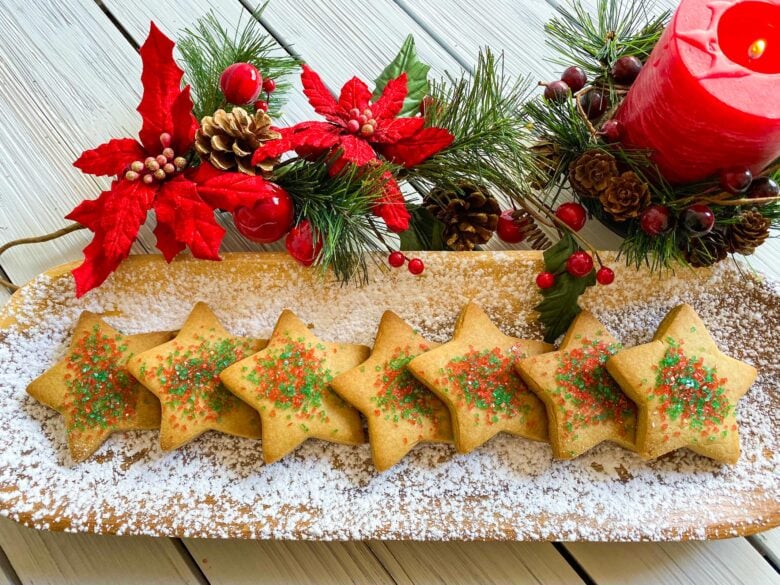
(69, 79)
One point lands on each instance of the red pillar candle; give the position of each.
(708, 97)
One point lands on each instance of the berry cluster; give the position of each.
(362, 122)
(157, 168)
(398, 259)
(579, 265)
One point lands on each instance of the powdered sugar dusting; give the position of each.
(511, 488)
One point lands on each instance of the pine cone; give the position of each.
(625, 196)
(547, 157)
(748, 233)
(706, 250)
(470, 215)
(229, 139)
(589, 174)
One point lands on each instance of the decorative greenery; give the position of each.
(208, 48)
(560, 306)
(416, 77)
(340, 211)
(424, 233)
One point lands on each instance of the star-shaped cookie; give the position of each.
(92, 388)
(288, 383)
(685, 388)
(474, 375)
(401, 411)
(184, 375)
(585, 406)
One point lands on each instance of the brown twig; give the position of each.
(35, 240)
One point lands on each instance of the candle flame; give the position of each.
(757, 49)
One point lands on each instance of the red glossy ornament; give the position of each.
(416, 266)
(268, 219)
(396, 259)
(575, 78)
(595, 103)
(612, 130)
(269, 85)
(241, 83)
(572, 214)
(698, 219)
(764, 188)
(579, 264)
(656, 220)
(736, 180)
(300, 243)
(605, 275)
(626, 69)
(557, 91)
(509, 229)
(545, 280)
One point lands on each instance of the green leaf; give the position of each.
(560, 306)
(417, 77)
(424, 233)
(556, 256)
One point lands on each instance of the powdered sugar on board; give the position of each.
(511, 488)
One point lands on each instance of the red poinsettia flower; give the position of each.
(361, 130)
(151, 174)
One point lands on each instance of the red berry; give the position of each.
(612, 130)
(396, 259)
(269, 85)
(764, 188)
(605, 275)
(416, 266)
(241, 83)
(557, 91)
(261, 105)
(545, 280)
(509, 229)
(698, 219)
(595, 103)
(579, 264)
(300, 243)
(656, 220)
(572, 214)
(268, 219)
(736, 180)
(626, 69)
(575, 78)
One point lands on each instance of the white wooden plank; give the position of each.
(43, 557)
(68, 81)
(482, 563)
(768, 544)
(717, 562)
(235, 562)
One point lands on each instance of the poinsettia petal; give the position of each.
(184, 123)
(391, 102)
(229, 191)
(415, 149)
(180, 207)
(161, 80)
(356, 150)
(354, 94)
(320, 98)
(114, 218)
(318, 135)
(167, 242)
(110, 158)
(391, 206)
(397, 129)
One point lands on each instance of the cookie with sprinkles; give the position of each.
(288, 383)
(401, 411)
(184, 375)
(475, 376)
(685, 388)
(92, 388)
(585, 406)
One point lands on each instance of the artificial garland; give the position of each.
(443, 163)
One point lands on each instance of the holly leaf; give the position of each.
(416, 77)
(424, 233)
(560, 304)
(115, 218)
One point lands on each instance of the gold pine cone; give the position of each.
(625, 196)
(229, 139)
(589, 174)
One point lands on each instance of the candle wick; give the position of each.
(757, 50)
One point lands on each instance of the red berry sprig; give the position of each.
(605, 275)
(397, 259)
(545, 280)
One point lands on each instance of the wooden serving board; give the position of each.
(510, 488)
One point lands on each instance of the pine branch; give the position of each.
(208, 48)
(340, 211)
(621, 27)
